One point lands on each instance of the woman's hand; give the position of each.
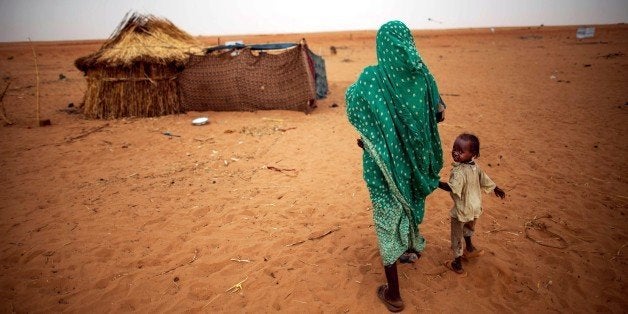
(361, 143)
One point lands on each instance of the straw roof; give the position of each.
(142, 38)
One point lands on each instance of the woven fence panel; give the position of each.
(243, 81)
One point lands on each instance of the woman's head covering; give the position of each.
(396, 50)
(393, 107)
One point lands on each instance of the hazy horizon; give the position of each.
(52, 20)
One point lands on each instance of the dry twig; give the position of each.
(3, 113)
(284, 171)
(237, 287)
(37, 79)
(210, 301)
(535, 291)
(86, 133)
(618, 252)
(285, 129)
(315, 237)
(181, 265)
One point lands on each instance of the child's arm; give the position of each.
(499, 192)
(444, 186)
(486, 183)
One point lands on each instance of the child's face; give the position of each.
(462, 151)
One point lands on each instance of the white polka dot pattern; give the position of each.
(393, 107)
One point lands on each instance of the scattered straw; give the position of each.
(272, 119)
(501, 230)
(212, 300)
(237, 287)
(534, 224)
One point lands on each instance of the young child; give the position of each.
(466, 182)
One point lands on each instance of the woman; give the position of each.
(395, 106)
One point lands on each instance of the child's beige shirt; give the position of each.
(466, 182)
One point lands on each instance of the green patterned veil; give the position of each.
(393, 107)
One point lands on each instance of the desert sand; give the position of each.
(267, 211)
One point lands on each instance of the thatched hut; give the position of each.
(134, 72)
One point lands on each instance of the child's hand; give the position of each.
(499, 192)
(444, 186)
(361, 143)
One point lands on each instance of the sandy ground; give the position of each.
(114, 216)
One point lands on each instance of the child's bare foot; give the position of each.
(391, 305)
(455, 266)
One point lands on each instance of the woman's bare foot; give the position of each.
(391, 305)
